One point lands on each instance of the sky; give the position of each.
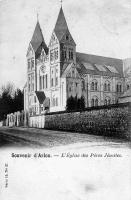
(100, 27)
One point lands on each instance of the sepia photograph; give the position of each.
(65, 100)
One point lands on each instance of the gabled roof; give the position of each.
(61, 25)
(41, 96)
(115, 65)
(38, 39)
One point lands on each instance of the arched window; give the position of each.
(43, 81)
(107, 86)
(94, 101)
(64, 52)
(52, 83)
(94, 85)
(40, 82)
(46, 81)
(119, 87)
(107, 101)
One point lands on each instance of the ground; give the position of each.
(79, 166)
(31, 137)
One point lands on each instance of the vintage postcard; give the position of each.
(65, 100)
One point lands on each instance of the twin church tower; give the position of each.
(57, 72)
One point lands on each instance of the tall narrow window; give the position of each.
(46, 81)
(56, 81)
(107, 101)
(32, 82)
(29, 84)
(56, 53)
(83, 85)
(119, 87)
(29, 64)
(64, 52)
(71, 54)
(94, 85)
(94, 101)
(51, 55)
(34, 99)
(52, 82)
(40, 82)
(43, 81)
(32, 63)
(107, 86)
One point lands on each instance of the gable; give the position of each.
(71, 72)
(40, 96)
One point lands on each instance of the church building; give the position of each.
(57, 71)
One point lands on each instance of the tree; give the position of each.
(82, 100)
(18, 100)
(11, 100)
(74, 103)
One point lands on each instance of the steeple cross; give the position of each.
(61, 1)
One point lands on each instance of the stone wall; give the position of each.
(113, 120)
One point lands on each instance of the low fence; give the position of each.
(113, 120)
(37, 121)
(17, 119)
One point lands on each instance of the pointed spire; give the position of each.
(37, 37)
(61, 25)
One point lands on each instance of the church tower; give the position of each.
(36, 44)
(67, 46)
(62, 52)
